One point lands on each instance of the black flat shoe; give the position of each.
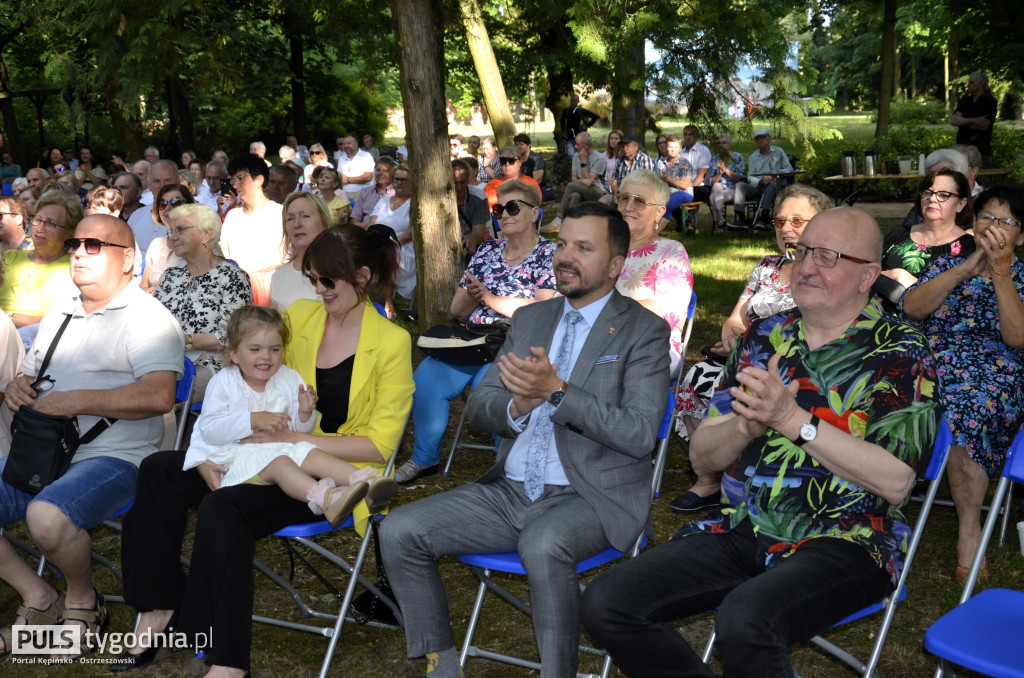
(128, 661)
(689, 502)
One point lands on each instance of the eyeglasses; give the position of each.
(455, 144)
(316, 152)
(92, 245)
(328, 283)
(941, 196)
(796, 220)
(625, 199)
(43, 221)
(173, 202)
(508, 161)
(9, 214)
(822, 256)
(512, 207)
(398, 181)
(42, 385)
(235, 181)
(988, 219)
(178, 231)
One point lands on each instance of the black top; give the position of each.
(984, 107)
(573, 120)
(332, 386)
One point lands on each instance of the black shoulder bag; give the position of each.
(42, 445)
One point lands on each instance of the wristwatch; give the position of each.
(188, 341)
(808, 431)
(556, 397)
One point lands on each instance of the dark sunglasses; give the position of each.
(173, 202)
(92, 245)
(512, 207)
(507, 161)
(328, 283)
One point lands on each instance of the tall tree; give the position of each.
(434, 217)
(885, 87)
(487, 71)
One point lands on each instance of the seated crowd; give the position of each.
(278, 282)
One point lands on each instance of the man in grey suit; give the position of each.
(573, 470)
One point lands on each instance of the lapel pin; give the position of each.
(611, 330)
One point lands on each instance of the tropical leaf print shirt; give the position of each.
(877, 382)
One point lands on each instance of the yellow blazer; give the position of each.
(380, 395)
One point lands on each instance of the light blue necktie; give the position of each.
(536, 457)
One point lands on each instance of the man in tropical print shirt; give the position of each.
(825, 417)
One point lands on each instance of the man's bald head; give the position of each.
(859, 229)
(116, 230)
(37, 177)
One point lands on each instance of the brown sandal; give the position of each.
(95, 620)
(47, 617)
(962, 572)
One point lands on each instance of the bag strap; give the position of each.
(104, 423)
(53, 345)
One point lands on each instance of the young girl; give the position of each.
(259, 393)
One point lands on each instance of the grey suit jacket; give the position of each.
(605, 427)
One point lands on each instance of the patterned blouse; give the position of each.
(736, 164)
(660, 271)
(519, 281)
(900, 251)
(680, 170)
(204, 303)
(877, 382)
(623, 167)
(765, 292)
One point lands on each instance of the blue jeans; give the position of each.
(436, 384)
(88, 493)
(630, 609)
(675, 200)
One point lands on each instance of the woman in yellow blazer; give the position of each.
(361, 367)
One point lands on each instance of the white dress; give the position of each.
(225, 420)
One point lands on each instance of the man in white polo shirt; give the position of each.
(355, 166)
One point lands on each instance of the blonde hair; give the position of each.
(250, 318)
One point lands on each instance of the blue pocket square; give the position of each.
(606, 359)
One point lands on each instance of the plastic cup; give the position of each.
(1020, 533)
(906, 163)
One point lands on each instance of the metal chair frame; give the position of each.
(936, 467)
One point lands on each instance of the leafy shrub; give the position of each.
(923, 112)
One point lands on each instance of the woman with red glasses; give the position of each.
(503, 275)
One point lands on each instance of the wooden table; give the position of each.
(865, 181)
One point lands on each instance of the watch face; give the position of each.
(808, 432)
(556, 397)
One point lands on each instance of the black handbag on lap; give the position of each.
(42, 445)
(458, 344)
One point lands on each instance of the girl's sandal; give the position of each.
(95, 620)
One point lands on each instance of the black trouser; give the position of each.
(217, 596)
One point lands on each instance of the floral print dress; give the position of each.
(766, 295)
(900, 251)
(661, 272)
(519, 281)
(981, 376)
(877, 383)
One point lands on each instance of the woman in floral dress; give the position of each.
(767, 293)
(502, 276)
(942, 202)
(657, 271)
(972, 312)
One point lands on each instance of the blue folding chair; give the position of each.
(933, 475)
(485, 564)
(303, 534)
(457, 443)
(983, 632)
(669, 424)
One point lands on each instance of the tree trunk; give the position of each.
(183, 129)
(14, 145)
(488, 74)
(954, 71)
(128, 132)
(897, 73)
(559, 89)
(628, 91)
(888, 59)
(295, 67)
(945, 79)
(436, 233)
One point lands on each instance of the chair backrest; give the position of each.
(1013, 467)
(943, 439)
(183, 395)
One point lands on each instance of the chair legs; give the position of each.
(458, 436)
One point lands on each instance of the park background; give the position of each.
(185, 74)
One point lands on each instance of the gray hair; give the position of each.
(217, 164)
(946, 156)
(258, 145)
(205, 218)
(649, 179)
(726, 135)
(983, 78)
(970, 152)
(587, 139)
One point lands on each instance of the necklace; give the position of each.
(518, 256)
